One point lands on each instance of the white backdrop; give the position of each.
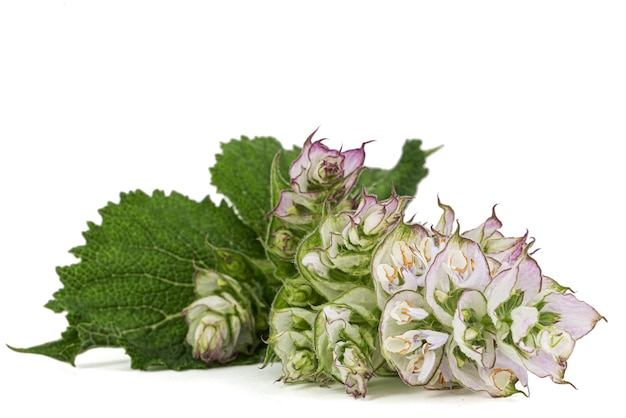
(528, 99)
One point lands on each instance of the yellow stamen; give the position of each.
(394, 273)
(425, 251)
(417, 364)
(454, 260)
(404, 310)
(407, 257)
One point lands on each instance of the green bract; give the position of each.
(346, 339)
(292, 342)
(336, 256)
(221, 322)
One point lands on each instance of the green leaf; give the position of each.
(405, 176)
(242, 174)
(65, 349)
(135, 274)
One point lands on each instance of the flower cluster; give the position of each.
(228, 316)
(332, 282)
(473, 309)
(435, 306)
(362, 292)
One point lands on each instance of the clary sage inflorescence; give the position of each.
(479, 313)
(315, 266)
(437, 307)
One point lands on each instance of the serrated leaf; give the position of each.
(242, 174)
(64, 349)
(404, 176)
(135, 274)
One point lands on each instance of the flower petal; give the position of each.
(574, 316)
(486, 230)
(460, 265)
(524, 318)
(445, 226)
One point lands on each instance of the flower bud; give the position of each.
(218, 328)
(299, 365)
(319, 168)
(346, 339)
(283, 243)
(291, 340)
(298, 292)
(319, 177)
(353, 367)
(226, 318)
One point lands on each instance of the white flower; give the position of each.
(410, 348)
(403, 312)
(401, 261)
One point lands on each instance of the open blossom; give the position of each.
(349, 236)
(453, 308)
(460, 265)
(475, 359)
(470, 330)
(538, 320)
(500, 252)
(401, 260)
(498, 380)
(472, 308)
(355, 291)
(409, 343)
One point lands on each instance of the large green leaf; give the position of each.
(134, 277)
(242, 174)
